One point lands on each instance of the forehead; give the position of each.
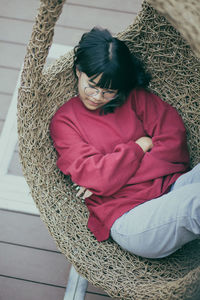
(102, 81)
(94, 79)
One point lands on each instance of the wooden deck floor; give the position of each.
(31, 267)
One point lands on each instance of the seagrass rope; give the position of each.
(184, 15)
(174, 68)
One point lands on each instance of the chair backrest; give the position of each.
(184, 16)
(174, 67)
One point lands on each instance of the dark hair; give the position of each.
(98, 52)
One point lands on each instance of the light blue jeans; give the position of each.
(160, 226)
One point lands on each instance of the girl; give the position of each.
(127, 150)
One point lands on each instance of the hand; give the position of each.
(84, 192)
(145, 143)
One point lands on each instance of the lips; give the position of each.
(93, 103)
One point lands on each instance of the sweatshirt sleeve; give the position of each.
(164, 125)
(102, 174)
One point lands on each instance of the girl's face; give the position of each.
(92, 96)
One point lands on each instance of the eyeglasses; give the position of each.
(108, 95)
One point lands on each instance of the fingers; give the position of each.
(85, 193)
(145, 143)
(81, 191)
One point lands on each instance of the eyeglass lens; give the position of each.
(93, 92)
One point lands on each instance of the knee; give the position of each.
(190, 204)
(144, 247)
(151, 251)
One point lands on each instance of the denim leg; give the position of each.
(160, 226)
(192, 176)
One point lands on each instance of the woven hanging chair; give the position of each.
(171, 52)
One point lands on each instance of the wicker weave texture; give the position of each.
(184, 15)
(174, 68)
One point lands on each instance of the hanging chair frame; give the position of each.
(41, 92)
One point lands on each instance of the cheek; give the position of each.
(80, 88)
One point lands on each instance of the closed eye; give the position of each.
(111, 92)
(92, 86)
(105, 91)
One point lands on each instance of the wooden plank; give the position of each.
(12, 55)
(18, 31)
(25, 229)
(19, 9)
(8, 80)
(15, 195)
(131, 6)
(84, 17)
(92, 296)
(14, 289)
(68, 35)
(32, 264)
(18, 205)
(27, 10)
(15, 30)
(93, 289)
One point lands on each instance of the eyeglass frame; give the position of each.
(98, 91)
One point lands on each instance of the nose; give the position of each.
(98, 96)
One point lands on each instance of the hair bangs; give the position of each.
(108, 80)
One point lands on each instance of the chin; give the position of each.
(92, 107)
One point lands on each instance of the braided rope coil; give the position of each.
(184, 15)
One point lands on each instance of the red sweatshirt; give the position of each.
(99, 152)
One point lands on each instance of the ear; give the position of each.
(78, 73)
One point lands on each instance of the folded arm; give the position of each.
(164, 125)
(102, 174)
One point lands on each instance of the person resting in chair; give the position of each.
(127, 150)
